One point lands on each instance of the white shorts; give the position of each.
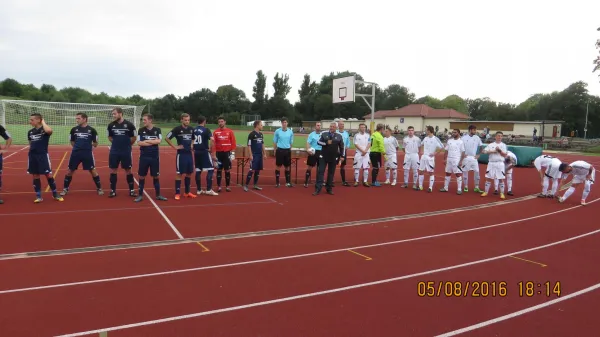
(427, 163)
(581, 179)
(453, 165)
(495, 170)
(391, 162)
(411, 161)
(360, 161)
(470, 164)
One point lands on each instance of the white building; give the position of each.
(550, 129)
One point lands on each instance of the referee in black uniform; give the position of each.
(332, 153)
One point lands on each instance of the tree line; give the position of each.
(315, 102)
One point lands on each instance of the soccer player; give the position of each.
(391, 157)
(376, 154)
(509, 163)
(362, 143)
(256, 144)
(582, 172)
(203, 158)
(282, 141)
(39, 160)
(122, 135)
(84, 139)
(431, 145)
(495, 168)
(411, 145)
(332, 153)
(455, 153)
(472, 143)
(312, 141)
(224, 141)
(148, 139)
(346, 139)
(548, 166)
(184, 161)
(4, 134)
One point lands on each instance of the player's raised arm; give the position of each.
(47, 128)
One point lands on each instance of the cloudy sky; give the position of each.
(505, 50)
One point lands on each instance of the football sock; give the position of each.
(113, 182)
(219, 177)
(209, 179)
(67, 182)
(387, 175)
(277, 173)
(487, 186)
(568, 192)
(37, 186)
(545, 183)
(156, 182)
(466, 179)
(307, 176)
(406, 177)
(586, 189)
(343, 173)
(421, 178)
(394, 174)
(188, 183)
(256, 175)
(52, 184)
(198, 178)
(447, 182)
(431, 181)
(130, 181)
(178, 186)
(459, 181)
(554, 186)
(227, 178)
(96, 180)
(142, 182)
(374, 175)
(509, 181)
(249, 176)
(356, 174)
(415, 177)
(502, 186)
(288, 177)
(365, 175)
(476, 178)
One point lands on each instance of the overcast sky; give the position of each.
(505, 50)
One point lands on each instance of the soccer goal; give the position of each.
(60, 116)
(247, 120)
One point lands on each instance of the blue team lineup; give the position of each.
(200, 150)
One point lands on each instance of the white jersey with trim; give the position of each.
(542, 161)
(580, 168)
(411, 145)
(511, 158)
(431, 144)
(362, 141)
(455, 148)
(472, 144)
(391, 145)
(494, 156)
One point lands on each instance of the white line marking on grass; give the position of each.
(289, 257)
(520, 312)
(319, 293)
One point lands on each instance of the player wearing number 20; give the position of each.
(184, 161)
(203, 160)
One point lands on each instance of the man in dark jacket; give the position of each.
(332, 153)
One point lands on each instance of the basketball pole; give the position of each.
(370, 105)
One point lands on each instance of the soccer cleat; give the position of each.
(330, 192)
(502, 196)
(138, 199)
(443, 189)
(132, 193)
(583, 202)
(394, 183)
(345, 184)
(200, 192)
(366, 184)
(430, 190)
(38, 200)
(542, 195)
(219, 189)
(315, 193)
(550, 196)
(459, 192)
(100, 191)
(496, 192)
(420, 188)
(561, 200)
(161, 198)
(112, 194)
(211, 192)
(305, 185)
(246, 188)
(510, 193)
(415, 187)
(58, 197)
(277, 185)
(64, 192)
(387, 182)
(484, 194)
(477, 190)
(289, 185)
(177, 196)
(405, 186)
(257, 188)
(227, 189)
(466, 189)
(376, 184)
(190, 195)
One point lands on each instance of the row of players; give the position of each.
(461, 156)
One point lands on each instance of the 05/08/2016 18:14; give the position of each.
(488, 288)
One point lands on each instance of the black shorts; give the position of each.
(83, 157)
(314, 159)
(344, 159)
(39, 163)
(257, 162)
(203, 161)
(124, 159)
(151, 164)
(184, 163)
(224, 160)
(283, 157)
(375, 159)
(1, 162)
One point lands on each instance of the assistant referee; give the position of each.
(376, 154)
(282, 142)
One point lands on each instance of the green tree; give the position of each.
(259, 93)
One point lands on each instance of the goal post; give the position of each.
(60, 116)
(248, 119)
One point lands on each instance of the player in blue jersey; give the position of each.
(203, 160)
(39, 160)
(282, 141)
(122, 135)
(84, 139)
(4, 134)
(184, 134)
(148, 139)
(312, 141)
(346, 138)
(257, 154)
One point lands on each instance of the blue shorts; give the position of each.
(149, 163)
(203, 161)
(39, 163)
(257, 162)
(83, 157)
(184, 163)
(124, 159)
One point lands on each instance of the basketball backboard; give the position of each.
(343, 89)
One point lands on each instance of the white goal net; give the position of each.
(60, 116)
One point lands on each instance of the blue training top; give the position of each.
(345, 137)
(283, 139)
(312, 140)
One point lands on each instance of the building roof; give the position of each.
(419, 110)
(514, 122)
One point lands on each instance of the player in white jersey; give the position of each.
(431, 145)
(411, 145)
(509, 163)
(582, 172)
(362, 143)
(547, 166)
(495, 168)
(455, 153)
(472, 143)
(391, 158)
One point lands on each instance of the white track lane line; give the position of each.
(330, 291)
(289, 257)
(19, 150)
